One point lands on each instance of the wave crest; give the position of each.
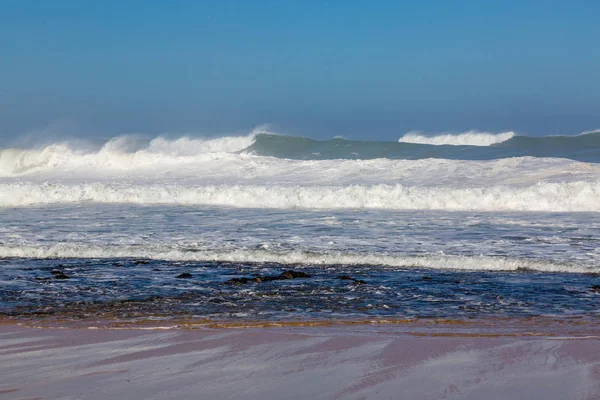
(123, 152)
(470, 138)
(557, 197)
(434, 261)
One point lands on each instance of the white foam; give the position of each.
(470, 138)
(571, 196)
(121, 153)
(434, 261)
(189, 171)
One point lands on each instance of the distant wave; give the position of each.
(565, 197)
(127, 153)
(414, 146)
(451, 262)
(470, 138)
(124, 152)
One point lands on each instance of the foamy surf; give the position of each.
(238, 171)
(120, 153)
(564, 197)
(130, 153)
(470, 138)
(294, 257)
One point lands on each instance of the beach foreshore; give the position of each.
(433, 359)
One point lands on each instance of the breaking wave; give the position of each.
(471, 138)
(129, 153)
(264, 170)
(575, 196)
(125, 153)
(450, 262)
(414, 146)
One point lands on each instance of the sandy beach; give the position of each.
(301, 362)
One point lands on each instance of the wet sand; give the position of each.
(361, 361)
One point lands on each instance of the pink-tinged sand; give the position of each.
(292, 363)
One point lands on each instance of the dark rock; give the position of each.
(61, 275)
(354, 280)
(426, 278)
(185, 275)
(293, 275)
(258, 279)
(141, 262)
(56, 272)
(239, 281)
(595, 288)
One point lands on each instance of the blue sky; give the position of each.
(363, 69)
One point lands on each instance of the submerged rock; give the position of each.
(240, 281)
(61, 275)
(293, 275)
(595, 288)
(258, 279)
(349, 278)
(185, 275)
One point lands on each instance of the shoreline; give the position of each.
(539, 326)
(359, 361)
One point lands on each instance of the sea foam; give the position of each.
(124, 152)
(130, 153)
(450, 262)
(565, 197)
(470, 138)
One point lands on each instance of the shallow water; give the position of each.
(136, 288)
(123, 261)
(455, 226)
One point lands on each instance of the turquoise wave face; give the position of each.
(585, 147)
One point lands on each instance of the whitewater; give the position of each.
(428, 225)
(471, 138)
(471, 172)
(234, 172)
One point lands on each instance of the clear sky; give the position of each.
(362, 69)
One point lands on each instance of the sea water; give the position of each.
(464, 225)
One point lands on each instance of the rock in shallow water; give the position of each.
(283, 276)
(349, 278)
(61, 275)
(293, 275)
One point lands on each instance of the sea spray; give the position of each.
(471, 138)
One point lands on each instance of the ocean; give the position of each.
(282, 228)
